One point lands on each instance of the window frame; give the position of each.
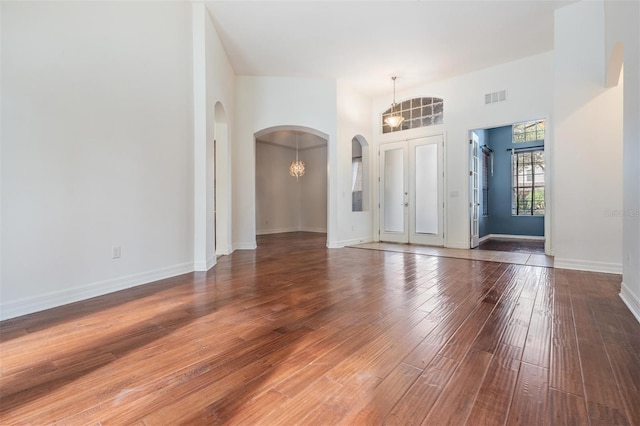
(520, 186)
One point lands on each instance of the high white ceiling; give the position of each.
(367, 42)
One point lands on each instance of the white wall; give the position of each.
(214, 97)
(221, 98)
(313, 190)
(277, 193)
(96, 148)
(287, 204)
(587, 152)
(622, 23)
(268, 102)
(354, 119)
(528, 83)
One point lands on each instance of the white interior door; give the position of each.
(412, 205)
(394, 192)
(474, 190)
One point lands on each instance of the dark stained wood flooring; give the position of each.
(512, 245)
(294, 333)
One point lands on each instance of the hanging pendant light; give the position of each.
(395, 119)
(296, 168)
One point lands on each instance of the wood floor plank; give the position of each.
(456, 399)
(536, 350)
(333, 409)
(566, 371)
(384, 397)
(294, 333)
(626, 368)
(566, 409)
(414, 406)
(528, 406)
(492, 404)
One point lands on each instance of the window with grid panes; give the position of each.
(417, 112)
(528, 183)
(528, 131)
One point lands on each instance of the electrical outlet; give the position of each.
(116, 252)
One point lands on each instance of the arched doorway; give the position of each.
(286, 203)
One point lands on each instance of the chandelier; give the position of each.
(296, 168)
(394, 120)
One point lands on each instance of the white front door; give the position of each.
(474, 190)
(411, 191)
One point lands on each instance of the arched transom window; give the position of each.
(417, 112)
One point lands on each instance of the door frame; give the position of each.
(549, 171)
(474, 190)
(409, 198)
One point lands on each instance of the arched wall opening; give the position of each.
(286, 203)
(359, 174)
(212, 189)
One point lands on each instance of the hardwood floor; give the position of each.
(294, 333)
(513, 246)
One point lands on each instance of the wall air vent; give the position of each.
(491, 98)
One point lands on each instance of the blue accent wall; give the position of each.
(500, 219)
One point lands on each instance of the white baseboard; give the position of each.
(63, 297)
(354, 241)
(200, 266)
(275, 231)
(513, 237)
(334, 244)
(631, 300)
(204, 266)
(284, 230)
(316, 230)
(457, 245)
(485, 238)
(246, 246)
(223, 252)
(211, 262)
(587, 265)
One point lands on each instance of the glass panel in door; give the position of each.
(393, 194)
(426, 163)
(426, 206)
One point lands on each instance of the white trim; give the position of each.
(200, 267)
(204, 266)
(246, 246)
(316, 230)
(223, 252)
(464, 246)
(631, 300)
(485, 238)
(587, 265)
(285, 230)
(211, 262)
(58, 298)
(514, 237)
(353, 241)
(276, 231)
